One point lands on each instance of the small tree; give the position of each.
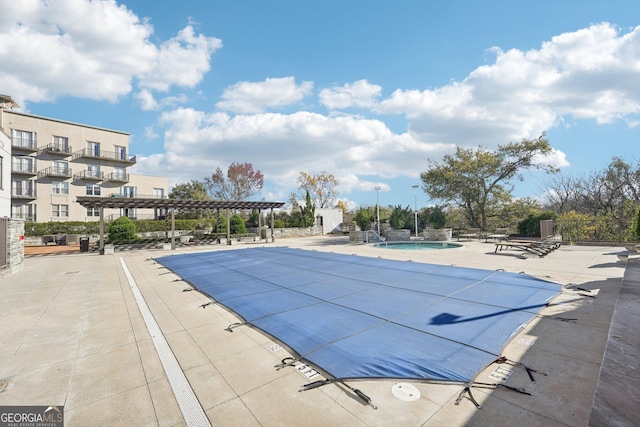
(638, 225)
(363, 218)
(237, 224)
(308, 212)
(122, 230)
(240, 183)
(437, 217)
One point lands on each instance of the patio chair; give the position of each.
(471, 233)
(540, 247)
(499, 234)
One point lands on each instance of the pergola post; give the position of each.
(259, 225)
(101, 230)
(228, 226)
(272, 226)
(173, 229)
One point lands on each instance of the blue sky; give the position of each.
(365, 90)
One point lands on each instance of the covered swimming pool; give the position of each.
(357, 317)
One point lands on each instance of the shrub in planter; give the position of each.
(122, 230)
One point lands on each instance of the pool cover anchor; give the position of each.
(467, 390)
(232, 326)
(285, 363)
(365, 399)
(530, 371)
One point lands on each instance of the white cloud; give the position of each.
(587, 74)
(92, 49)
(356, 94)
(283, 145)
(257, 97)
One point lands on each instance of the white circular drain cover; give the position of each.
(405, 391)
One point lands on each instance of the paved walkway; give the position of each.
(72, 334)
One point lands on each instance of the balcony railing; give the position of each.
(113, 156)
(24, 193)
(57, 149)
(117, 177)
(29, 217)
(23, 169)
(55, 172)
(24, 144)
(88, 175)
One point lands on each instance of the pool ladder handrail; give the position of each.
(380, 239)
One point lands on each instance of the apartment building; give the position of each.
(54, 161)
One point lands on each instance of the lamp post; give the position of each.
(415, 207)
(377, 188)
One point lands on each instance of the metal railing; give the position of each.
(24, 144)
(379, 238)
(53, 148)
(117, 177)
(24, 193)
(115, 156)
(24, 169)
(89, 175)
(55, 171)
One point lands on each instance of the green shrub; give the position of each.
(122, 230)
(237, 225)
(530, 226)
(437, 217)
(363, 218)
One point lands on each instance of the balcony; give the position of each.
(24, 144)
(28, 193)
(112, 156)
(28, 217)
(88, 175)
(55, 172)
(23, 169)
(117, 177)
(57, 149)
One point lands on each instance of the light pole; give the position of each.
(377, 188)
(415, 207)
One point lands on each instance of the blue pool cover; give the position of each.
(359, 317)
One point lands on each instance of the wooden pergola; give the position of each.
(119, 202)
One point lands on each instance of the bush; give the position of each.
(530, 226)
(363, 218)
(437, 217)
(122, 230)
(237, 225)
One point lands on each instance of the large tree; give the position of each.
(478, 179)
(321, 187)
(240, 183)
(194, 190)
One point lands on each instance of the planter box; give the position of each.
(437, 235)
(398, 235)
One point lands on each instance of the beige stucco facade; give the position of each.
(54, 161)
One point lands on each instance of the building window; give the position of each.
(93, 170)
(59, 211)
(127, 191)
(120, 173)
(61, 143)
(93, 148)
(121, 152)
(158, 193)
(61, 167)
(93, 189)
(24, 164)
(26, 212)
(93, 212)
(59, 187)
(22, 138)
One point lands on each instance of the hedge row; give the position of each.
(93, 227)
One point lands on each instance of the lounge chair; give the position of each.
(499, 234)
(540, 247)
(471, 233)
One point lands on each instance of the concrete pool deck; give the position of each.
(73, 335)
